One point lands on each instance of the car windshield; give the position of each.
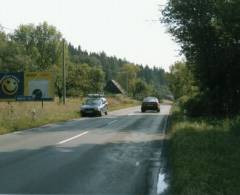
(93, 102)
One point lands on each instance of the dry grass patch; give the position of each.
(23, 115)
(20, 115)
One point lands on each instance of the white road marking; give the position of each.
(72, 138)
(161, 185)
(110, 123)
(130, 114)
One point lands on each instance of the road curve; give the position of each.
(107, 155)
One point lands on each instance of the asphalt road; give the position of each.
(107, 155)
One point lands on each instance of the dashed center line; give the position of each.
(72, 138)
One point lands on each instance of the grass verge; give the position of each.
(204, 155)
(23, 115)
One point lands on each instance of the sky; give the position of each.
(123, 28)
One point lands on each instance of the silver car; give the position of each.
(94, 106)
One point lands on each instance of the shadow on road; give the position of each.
(110, 168)
(120, 155)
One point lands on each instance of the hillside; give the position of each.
(40, 48)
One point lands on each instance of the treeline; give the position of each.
(209, 34)
(40, 48)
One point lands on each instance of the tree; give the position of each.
(42, 43)
(181, 80)
(127, 76)
(208, 32)
(83, 79)
(39, 48)
(141, 89)
(12, 57)
(96, 77)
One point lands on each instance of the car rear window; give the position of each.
(150, 99)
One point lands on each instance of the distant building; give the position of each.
(114, 87)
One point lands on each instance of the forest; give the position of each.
(40, 48)
(209, 35)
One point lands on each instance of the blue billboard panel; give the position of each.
(11, 85)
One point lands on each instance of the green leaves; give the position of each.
(41, 43)
(208, 32)
(39, 48)
(83, 79)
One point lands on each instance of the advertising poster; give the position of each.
(39, 86)
(11, 85)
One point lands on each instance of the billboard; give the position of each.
(11, 85)
(28, 86)
(39, 86)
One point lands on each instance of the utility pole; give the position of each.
(127, 83)
(63, 74)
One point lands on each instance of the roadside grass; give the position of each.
(16, 116)
(204, 155)
(118, 102)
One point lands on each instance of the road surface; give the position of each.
(107, 155)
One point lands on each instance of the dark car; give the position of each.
(94, 106)
(150, 103)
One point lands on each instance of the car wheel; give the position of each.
(106, 113)
(158, 110)
(143, 110)
(100, 113)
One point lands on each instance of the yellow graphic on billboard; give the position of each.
(9, 85)
(39, 85)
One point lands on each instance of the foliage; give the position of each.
(83, 79)
(204, 155)
(12, 57)
(140, 89)
(40, 48)
(185, 90)
(117, 69)
(208, 32)
(127, 77)
(41, 43)
(181, 80)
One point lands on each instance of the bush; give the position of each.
(195, 106)
(204, 155)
